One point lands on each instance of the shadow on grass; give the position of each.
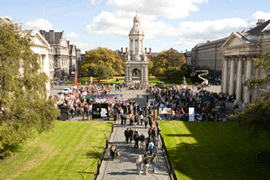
(220, 152)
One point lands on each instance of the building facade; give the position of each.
(64, 57)
(210, 55)
(136, 57)
(238, 51)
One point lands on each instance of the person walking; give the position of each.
(141, 118)
(126, 133)
(139, 164)
(154, 162)
(112, 151)
(145, 164)
(158, 132)
(125, 120)
(130, 134)
(151, 147)
(145, 122)
(142, 139)
(136, 139)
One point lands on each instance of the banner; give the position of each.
(108, 98)
(76, 81)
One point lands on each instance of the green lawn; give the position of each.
(70, 148)
(215, 151)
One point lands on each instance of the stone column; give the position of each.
(146, 74)
(139, 41)
(225, 75)
(142, 75)
(232, 76)
(239, 80)
(133, 46)
(248, 76)
(126, 73)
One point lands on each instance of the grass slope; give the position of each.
(70, 148)
(215, 151)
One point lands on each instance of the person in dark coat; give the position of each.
(130, 134)
(136, 139)
(127, 134)
(112, 151)
(142, 139)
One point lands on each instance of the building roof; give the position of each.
(262, 28)
(57, 36)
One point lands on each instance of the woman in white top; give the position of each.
(139, 164)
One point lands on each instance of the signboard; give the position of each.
(151, 102)
(100, 111)
(191, 113)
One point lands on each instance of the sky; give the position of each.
(178, 24)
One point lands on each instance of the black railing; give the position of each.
(167, 158)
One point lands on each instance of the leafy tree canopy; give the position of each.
(24, 106)
(256, 116)
(103, 56)
(167, 59)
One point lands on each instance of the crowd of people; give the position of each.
(179, 99)
(79, 100)
(131, 113)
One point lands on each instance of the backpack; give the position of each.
(145, 161)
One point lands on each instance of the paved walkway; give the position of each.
(124, 166)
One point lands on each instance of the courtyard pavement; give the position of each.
(124, 166)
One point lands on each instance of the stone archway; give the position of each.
(141, 66)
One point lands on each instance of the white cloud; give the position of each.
(172, 9)
(38, 24)
(73, 35)
(94, 2)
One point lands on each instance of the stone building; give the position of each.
(238, 51)
(64, 57)
(208, 54)
(136, 57)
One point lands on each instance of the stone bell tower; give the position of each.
(136, 58)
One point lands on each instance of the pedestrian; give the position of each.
(154, 162)
(125, 120)
(145, 122)
(139, 164)
(126, 133)
(141, 118)
(158, 132)
(122, 118)
(136, 139)
(130, 134)
(112, 151)
(151, 147)
(145, 164)
(142, 139)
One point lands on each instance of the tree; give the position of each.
(103, 72)
(174, 73)
(167, 59)
(103, 56)
(256, 116)
(24, 106)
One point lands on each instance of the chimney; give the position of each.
(68, 44)
(260, 21)
(145, 49)
(51, 37)
(126, 50)
(121, 50)
(149, 50)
